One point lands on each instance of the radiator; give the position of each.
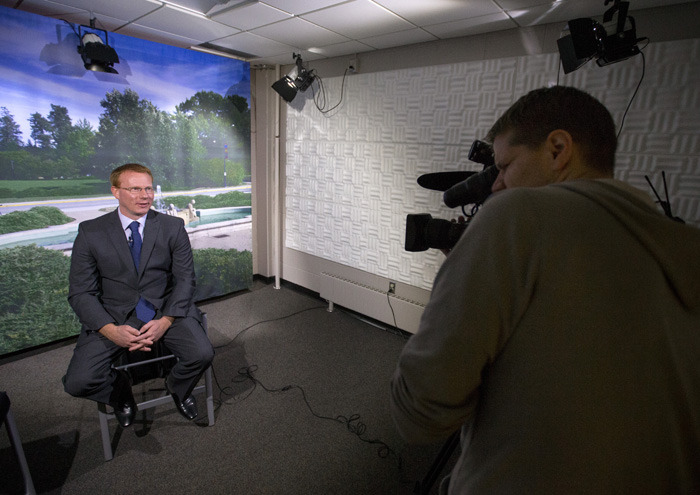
(377, 304)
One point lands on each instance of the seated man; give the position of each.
(562, 333)
(131, 284)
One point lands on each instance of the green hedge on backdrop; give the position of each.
(33, 291)
(35, 218)
(34, 308)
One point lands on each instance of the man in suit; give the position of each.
(131, 284)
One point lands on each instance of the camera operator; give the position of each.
(563, 330)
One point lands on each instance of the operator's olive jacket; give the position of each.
(563, 335)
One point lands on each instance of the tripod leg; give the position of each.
(423, 487)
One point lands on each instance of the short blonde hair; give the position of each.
(115, 176)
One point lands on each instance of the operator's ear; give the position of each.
(560, 146)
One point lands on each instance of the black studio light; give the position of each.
(298, 79)
(97, 55)
(588, 39)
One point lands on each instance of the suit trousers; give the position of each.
(90, 373)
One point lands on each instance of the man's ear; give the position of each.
(560, 146)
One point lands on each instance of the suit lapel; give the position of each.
(150, 235)
(117, 238)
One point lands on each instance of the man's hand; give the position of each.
(122, 335)
(137, 340)
(151, 332)
(460, 219)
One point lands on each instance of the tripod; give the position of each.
(423, 487)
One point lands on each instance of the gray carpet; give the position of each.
(302, 408)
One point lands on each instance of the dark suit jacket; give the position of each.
(104, 283)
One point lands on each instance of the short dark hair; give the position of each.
(115, 176)
(544, 110)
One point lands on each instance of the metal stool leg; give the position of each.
(17, 445)
(209, 387)
(104, 431)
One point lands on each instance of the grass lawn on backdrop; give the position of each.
(13, 191)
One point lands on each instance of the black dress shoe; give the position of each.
(125, 413)
(122, 400)
(187, 408)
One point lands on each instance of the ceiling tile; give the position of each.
(42, 7)
(204, 6)
(250, 16)
(150, 34)
(299, 33)
(172, 20)
(558, 12)
(329, 27)
(469, 27)
(423, 13)
(126, 10)
(400, 38)
(254, 44)
(297, 7)
(358, 19)
(75, 15)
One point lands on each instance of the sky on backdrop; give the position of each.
(40, 66)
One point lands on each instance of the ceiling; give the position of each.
(270, 31)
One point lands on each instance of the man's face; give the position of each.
(134, 204)
(520, 166)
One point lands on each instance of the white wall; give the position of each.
(348, 178)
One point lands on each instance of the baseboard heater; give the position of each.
(377, 304)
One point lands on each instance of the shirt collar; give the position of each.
(126, 221)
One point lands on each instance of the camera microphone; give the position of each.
(474, 189)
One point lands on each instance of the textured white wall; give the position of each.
(351, 174)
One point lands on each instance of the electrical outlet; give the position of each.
(353, 65)
(392, 287)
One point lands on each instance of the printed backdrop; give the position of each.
(184, 114)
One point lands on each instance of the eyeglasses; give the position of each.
(138, 190)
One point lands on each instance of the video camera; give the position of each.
(460, 188)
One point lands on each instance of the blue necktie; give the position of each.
(144, 310)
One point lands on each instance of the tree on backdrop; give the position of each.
(41, 130)
(134, 130)
(78, 148)
(207, 135)
(10, 134)
(60, 125)
(220, 120)
(190, 150)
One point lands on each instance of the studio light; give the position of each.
(298, 79)
(97, 55)
(588, 39)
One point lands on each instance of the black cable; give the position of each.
(322, 94)
(644, 63)
(388, 299)
(225, 390)
(352, 423)
(267, 321)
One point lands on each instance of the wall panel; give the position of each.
(351, 174)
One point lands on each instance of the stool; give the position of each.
(9, 420)
(161, 357)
